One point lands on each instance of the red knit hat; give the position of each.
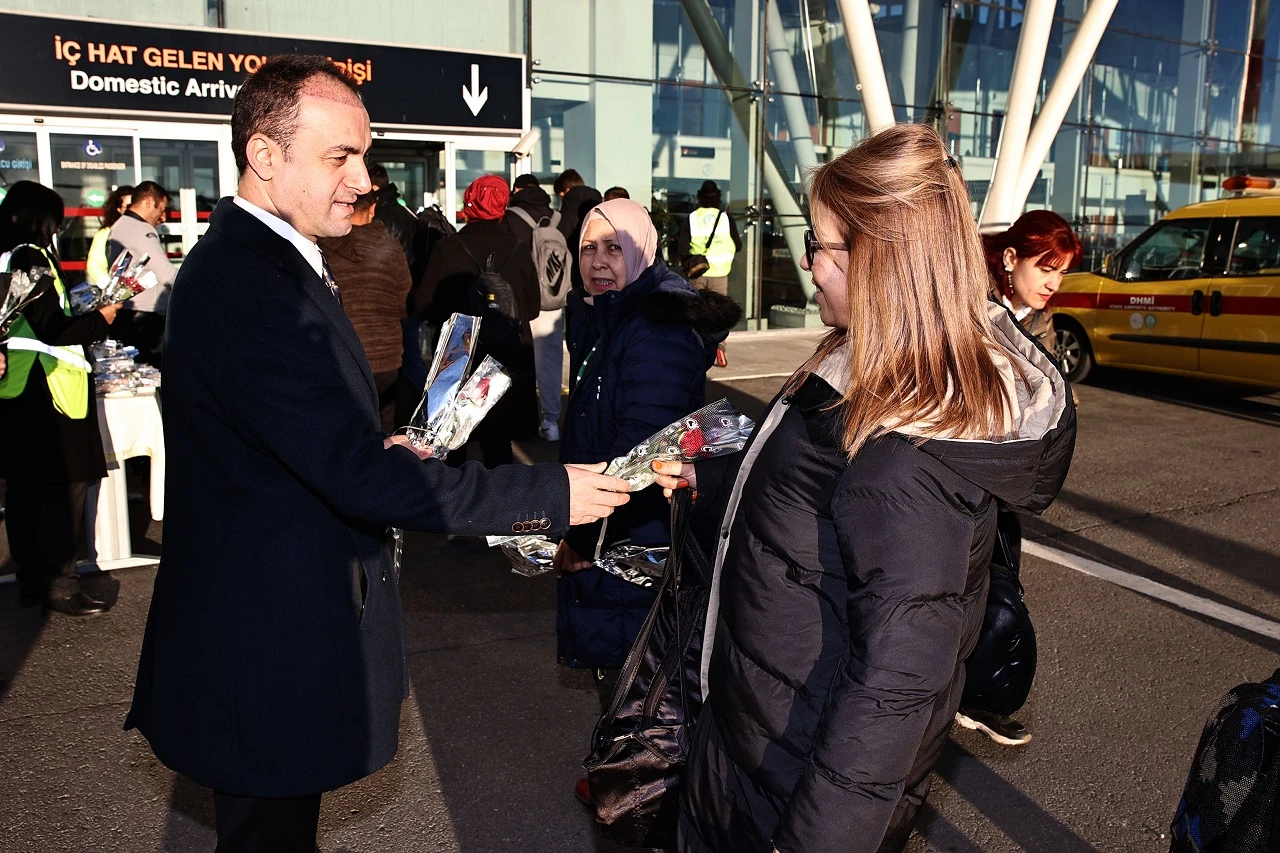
(486, 198)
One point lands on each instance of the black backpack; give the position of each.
(490, 297)
(437, 224)
(1231, 803)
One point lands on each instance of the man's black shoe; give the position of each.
(29, 599)
(77, 604)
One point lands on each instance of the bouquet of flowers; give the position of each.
(454, 403)
(16, 290)
(125, 280)
(716, 429)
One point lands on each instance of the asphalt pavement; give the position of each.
(1175, 488)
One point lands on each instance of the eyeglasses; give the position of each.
(812, 244)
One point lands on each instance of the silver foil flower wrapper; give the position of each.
(714, 430)
(126, 279)
(532, 556)
(453, 425)
(16, 295)
(445, 379)
(635, 563)
(528, 555)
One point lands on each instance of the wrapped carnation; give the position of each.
(529, 555)
(126, 280)
(532, 555)
(448, 372)
(454, 424)
(15, 294)
(714, 430)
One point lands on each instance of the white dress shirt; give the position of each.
(307, 248)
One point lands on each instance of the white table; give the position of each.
(130, 426)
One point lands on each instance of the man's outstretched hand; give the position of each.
(592, 495)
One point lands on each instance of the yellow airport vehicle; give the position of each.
(1196, 294)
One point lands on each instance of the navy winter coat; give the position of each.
(638, 361)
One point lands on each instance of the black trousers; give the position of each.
(266, 824)
(45, 523)
(141, 329)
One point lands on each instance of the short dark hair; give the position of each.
(378, 175)
(268, 101)
(148, 191)
(523, 181)
(616, 192)
(567, 180)
(30, 213)
(111, 211)
(366, 201)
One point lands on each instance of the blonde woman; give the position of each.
(852, 567)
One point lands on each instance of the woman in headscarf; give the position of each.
(640, 341)
(448, 287)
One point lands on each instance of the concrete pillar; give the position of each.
(1192, 102)
(609, 138)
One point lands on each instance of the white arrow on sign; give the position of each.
(474, 97)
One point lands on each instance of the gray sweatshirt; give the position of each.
(133, 234)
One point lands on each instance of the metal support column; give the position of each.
(788, 89)
(1062, 95)
(790, 216)
(1028, 64)
(860, 34)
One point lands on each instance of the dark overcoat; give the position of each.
(273, 663)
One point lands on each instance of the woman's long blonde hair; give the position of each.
(919, 349)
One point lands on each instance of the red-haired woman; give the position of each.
(1027, 263)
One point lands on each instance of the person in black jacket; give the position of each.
(857, 526)
(547, 327)
(446, 289)
(50, 448)
(576, 198)
(273, 663)
(416, 241)
(640, 341)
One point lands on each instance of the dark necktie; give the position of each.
(328, 279)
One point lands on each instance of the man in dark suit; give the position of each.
(273, 664)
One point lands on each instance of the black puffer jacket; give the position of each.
(850, 595)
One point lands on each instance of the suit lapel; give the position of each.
(241, 226)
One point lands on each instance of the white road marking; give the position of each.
(1176, 597)
(715, 378)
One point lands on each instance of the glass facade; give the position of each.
(660, 96)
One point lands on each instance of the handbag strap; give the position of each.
(707, 244)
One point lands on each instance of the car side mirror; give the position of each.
(1108, 263)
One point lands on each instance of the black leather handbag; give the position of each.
(696, 265)
(999, 672)
(640, 744)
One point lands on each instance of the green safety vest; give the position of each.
(719, 249)
(65, 368)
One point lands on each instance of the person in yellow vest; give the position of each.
(97, 268)
(711, 232)
(50, 449)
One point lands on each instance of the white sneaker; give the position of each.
(549, 431)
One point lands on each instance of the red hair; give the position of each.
(1036, 233)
